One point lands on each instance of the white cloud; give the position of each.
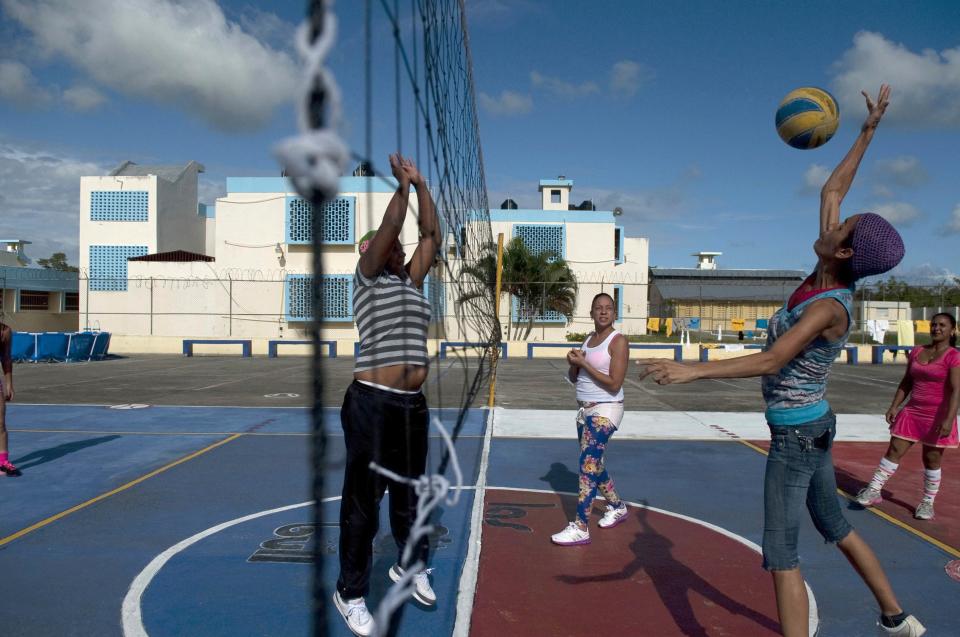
(953, 224)
(83, 98)
(926, 84)
(897, 212)
(562, 88)
(184, 53)
(814, 177)
(905, 170)
(18, 85)
(627, 76)
(40, 198)
(508, 103)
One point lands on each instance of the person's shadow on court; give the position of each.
(852, 485)
(562, 480)
(673, 580)
(43, 456)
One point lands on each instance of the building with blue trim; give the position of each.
(35, 299)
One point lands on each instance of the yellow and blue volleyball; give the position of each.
(807, 117)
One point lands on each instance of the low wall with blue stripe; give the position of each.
(59, 346)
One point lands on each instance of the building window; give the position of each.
(108, 266)
(618, 244)
(618, 301)
(554, 196)
(337, 291)
(34, 300)
(337, 221)
(542, 237)
(119, 205)
(71, 301)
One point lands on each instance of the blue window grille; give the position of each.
(618, 244)
(337, 290)
(521, 313)
(618, 301)
(543, 237)
(119, 205)
(435, 291)
(338, 218)
(108, 266)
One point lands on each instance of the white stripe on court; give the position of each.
(471, 565)
(675, 425)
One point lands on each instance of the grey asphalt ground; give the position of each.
(286, 382)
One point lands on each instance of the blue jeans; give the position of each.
(800, 469)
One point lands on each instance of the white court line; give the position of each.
(471, 566)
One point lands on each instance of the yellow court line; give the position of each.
(83, 505)
(885, 516)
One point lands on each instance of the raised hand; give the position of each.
(410, 169)
(398, 170)
(876, 109)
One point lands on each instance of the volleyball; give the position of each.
(807, 117)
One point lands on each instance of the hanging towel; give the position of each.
(653, 324)
(669, 326)
(905, 333)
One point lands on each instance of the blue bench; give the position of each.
(444, 345)
(189, 343)
(850, 350)
(272, 346)
(878, 350)
(677, 349)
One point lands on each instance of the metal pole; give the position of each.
(86, 304)
(230, 300)
(151, 306)
(495, 353)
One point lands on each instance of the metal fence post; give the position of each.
(151, 306)
(230, 301)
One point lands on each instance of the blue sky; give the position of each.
(663, 109)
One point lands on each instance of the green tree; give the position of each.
(539, 282)
(57, 261)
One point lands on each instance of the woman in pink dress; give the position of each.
(932, 380)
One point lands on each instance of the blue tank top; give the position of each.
(794, 395)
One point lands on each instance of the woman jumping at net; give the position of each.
(384, 413)
(598, 368)
(932, 380)
(804, 338)
(6, 395)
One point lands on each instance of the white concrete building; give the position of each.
(148, 247)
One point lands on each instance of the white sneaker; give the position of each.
(355, 613)
(613, 516)
(924, 510)
(909, 627)
(571, 536)
(422, 592)
(869, 497)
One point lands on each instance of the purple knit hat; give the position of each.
(877, 246)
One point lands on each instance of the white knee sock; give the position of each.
(883, 473)
(931, 484)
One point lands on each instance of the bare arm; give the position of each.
(375, 258)
(953, 388)
(429, 227)
(840, 180)
(619, 357)
(903, 390)
(820, 316)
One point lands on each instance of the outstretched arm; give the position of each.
(428, 224)
(375, 258)
(840, 180)
(820, 316)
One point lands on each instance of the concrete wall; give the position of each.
(179, 227)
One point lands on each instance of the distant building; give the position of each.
(35, 299)
(718, 296)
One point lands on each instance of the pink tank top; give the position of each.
(599, 359)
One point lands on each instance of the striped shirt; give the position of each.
(794, 395)
(392, 317)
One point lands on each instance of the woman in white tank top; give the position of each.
(597, 368)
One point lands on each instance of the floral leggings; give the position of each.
(596, 422)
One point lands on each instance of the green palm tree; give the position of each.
(539, 283)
